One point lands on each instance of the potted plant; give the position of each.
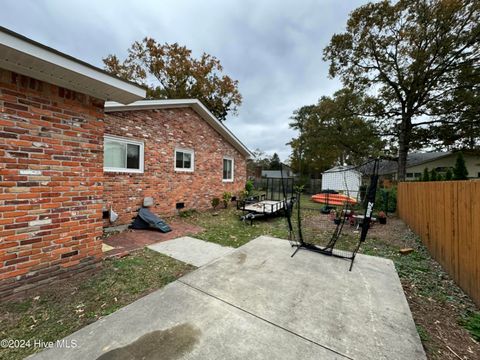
(338, 218)
(382, 217)
(332, 214)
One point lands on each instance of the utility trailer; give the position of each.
(279, 192)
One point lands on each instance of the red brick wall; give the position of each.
(162, 131)
(51, 173)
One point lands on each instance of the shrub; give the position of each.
(299, 189)
(433, 175)
(215, 202)
(226, 197)
(386, 200)
(243, 195)
(249, 187)
(449, 175)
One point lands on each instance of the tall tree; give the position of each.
(178, 75)
(407, 55)
(275, 163)
(331, 133)
(461, 110)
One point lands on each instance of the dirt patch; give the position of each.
(130, 240)
(161, 344)
(438, 325)
(436, 302)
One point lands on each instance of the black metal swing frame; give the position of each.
(299, 242)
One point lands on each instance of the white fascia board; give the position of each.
(27, 57)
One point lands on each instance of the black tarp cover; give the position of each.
(145, 220)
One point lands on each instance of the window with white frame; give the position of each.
(184, 160)
(122, 154)
(227, 169)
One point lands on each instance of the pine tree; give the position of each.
(425, 176)
(460, 171)
(275, 163)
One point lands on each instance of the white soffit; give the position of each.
(196, 105)
(27, 57)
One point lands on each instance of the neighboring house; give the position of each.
(343, 179)
(440, 161)
(175, 151)
(277, 174)
(51, 162)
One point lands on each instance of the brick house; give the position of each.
(51, 162)
(66, 155)
(174, 151)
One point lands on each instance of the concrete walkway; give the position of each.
(259, 303)
(191, 251)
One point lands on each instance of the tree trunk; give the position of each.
(403, 146)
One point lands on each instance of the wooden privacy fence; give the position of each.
(446, 215)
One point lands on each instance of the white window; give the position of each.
(184, 160)
(227, 169)
(122, 155)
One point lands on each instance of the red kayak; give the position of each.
(333, 199)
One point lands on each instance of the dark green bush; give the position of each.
(215, 202)
(426, 175)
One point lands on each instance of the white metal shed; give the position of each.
(342, 179)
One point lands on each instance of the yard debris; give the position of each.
(405, 251)
(453, 352)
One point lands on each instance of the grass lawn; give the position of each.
(68, 306)
(224, 227)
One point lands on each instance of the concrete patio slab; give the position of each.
(362, 314)
(191, 251)
(259, 303)
(179, 322)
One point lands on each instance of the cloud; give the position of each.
(274, 48)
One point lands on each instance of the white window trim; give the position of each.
(233, 169)
(188, 151)
(126, 141)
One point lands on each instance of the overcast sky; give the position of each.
(274, 48)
